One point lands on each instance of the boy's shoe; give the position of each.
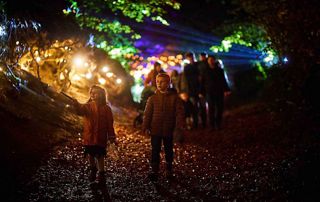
(169, 175)
(153, 177)
(101, 178)
(92, 175)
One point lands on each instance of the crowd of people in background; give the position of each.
(201, 85)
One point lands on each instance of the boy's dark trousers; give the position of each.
(156, 142)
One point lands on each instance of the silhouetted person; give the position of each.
(215, 87)
(175, 80)
(202, 65)
(192, 77)
(187, 109)
(151, 77)
(203, 62)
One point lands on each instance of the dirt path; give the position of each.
(230, 165)
(64, 176)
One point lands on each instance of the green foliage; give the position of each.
(139, 10)
(292, 25)
(261, 70)
(111, 36)
(105, 20)
(250, 35)
(246, 34)
(2, 6)
(293, 29)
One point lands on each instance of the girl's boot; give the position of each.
(153, 175)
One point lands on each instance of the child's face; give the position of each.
(162, 83)
(211, 61)
(184, 96)
(95, 95)
(158, 68)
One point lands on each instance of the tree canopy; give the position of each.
(109, 21)
(292, 29)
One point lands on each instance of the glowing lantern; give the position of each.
(24, 67)
(89, 75)
(179, 57)
(105, 69)
(171, 63)
(76, 77)
(165, 66)
(61, 76)
(119, 81)
(109, 74)
(102, 81)
(78, 61)
(163, 58)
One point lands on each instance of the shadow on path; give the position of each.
(100, 192)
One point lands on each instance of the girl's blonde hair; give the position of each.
(102, 93)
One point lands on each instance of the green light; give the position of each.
(136, 91)
(270, 57)
(261, 69)
(103, 44)
(226, 45)
(215, 49)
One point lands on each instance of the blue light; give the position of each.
(91, 40)
(2, 31)
(285, 60)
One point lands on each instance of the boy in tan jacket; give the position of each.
(163, 114)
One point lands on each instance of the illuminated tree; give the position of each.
(293, 28)
(250, 35)
(18, 38)
(288, 23)
(246, 34)
(108, 21)
(24, 48)
(48, 53)
(290, 31)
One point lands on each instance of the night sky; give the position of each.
(203, 15)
